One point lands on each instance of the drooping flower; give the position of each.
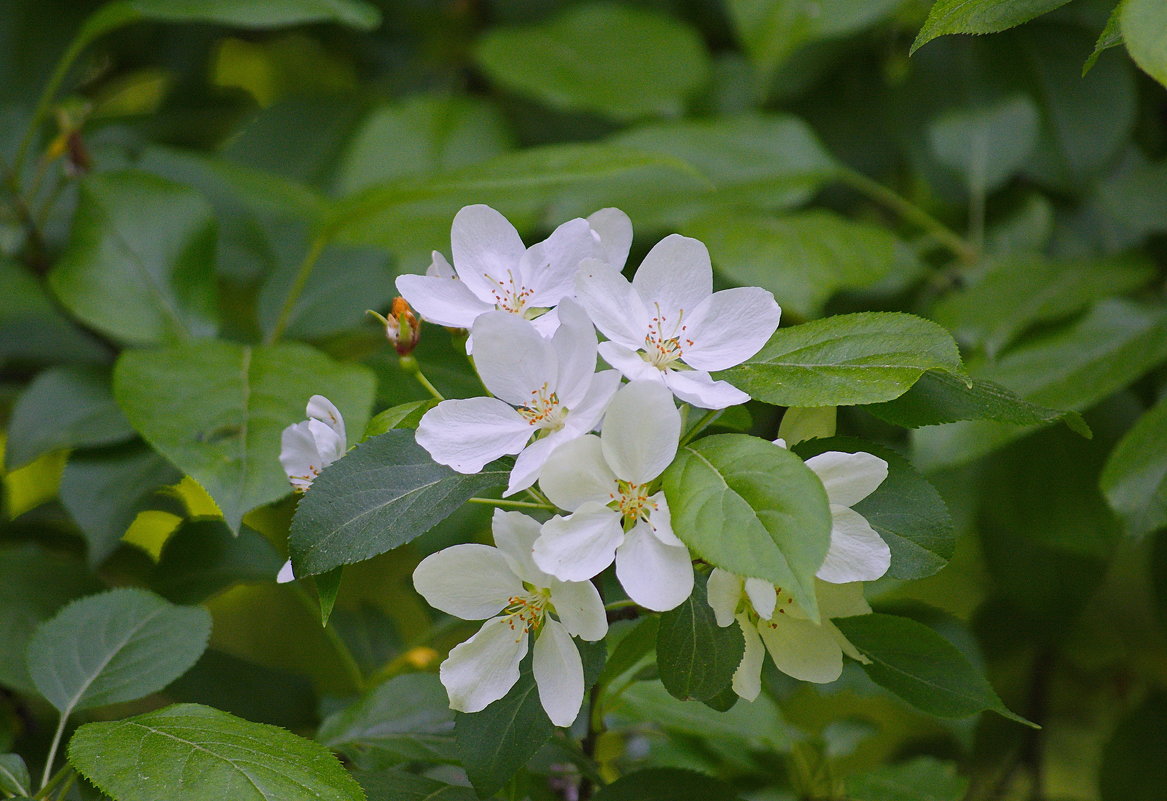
(547, 392)
(668, 325)
(771, 621)
(308, 447)
(494, 271)
(606, 484)
(519, 602)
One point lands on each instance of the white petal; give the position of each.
(762, 596)
(558, 673)
(547, 323)
(298, 455)
(698, 389)
(802, 649)
(641, 430)
(578, 547)
(747, 679)
(730, 326)
(549, 267)
(486, 250)
(612, 303)
(515, 534)
(629, 363)
(856, 553)
(286, 574)
(443, 301)
(515, 361)
(469, 581)
(675, 277)
(848, 477)
(485, 667)
(841, 600)
(529, 464)
(656, 576)
(615, 232)
(322, 409)
(328, 443)
(577, 473)
(724, 592)
(439, 267)
(586, 415)
(466, 434)
(574, 344)
(660, 520)
(580, 607)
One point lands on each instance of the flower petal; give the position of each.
(655, 575)
(549, 267)
(486, 249)
(443, 301)
(802, 649)
(580, 608)
(660, 520)
(469, 581)
(529, 464)
(762, 597)
(299, 456)
(730, 326)
(485, 667)
(466, 434)
(439, 267)
(574, 344)
(747, 679)
(578, 547)
(841, 600)
(322, 409)
(615, 232)
(675, 276)
(515, 361)
(586, 415)
(577, 473)
(515, 534)
(848, 477)
(611, 303)
(558, 673)
(328, 443)
(724, 592)
(856, 553)
(629, 363)
(286, 574)
(700, 390)
(641, 430)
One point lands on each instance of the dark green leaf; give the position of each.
(696, 657)
(383, 494)
(921, 779)
(847, 359)
(404, 415)
(921, 667)
(256, 692)
(632, 649)
(14, 778)
(1135, 477)
(1111, 36)
(203, 558)
(32, 329)
(754, 726)
(1143, 25)
(1132, 769)
(136, 266)
(397, 785)
(226, 435)
(327, 588)
(188, 752)
(116, 646)
(985, 144)
(753, 508)
(980, 16)
(666, 784)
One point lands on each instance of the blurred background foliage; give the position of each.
(984, 182)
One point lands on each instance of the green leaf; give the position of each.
(397, 785)
(1111, 36)
(1144, 30)
(1132, 769)
(1073, 367)
(846, 359)
(188, 752)
(383, 494)
(619, 61)
(103, 491)
(64, 407)
(920, 779)
(204, 558)
(906, 510)
(631, 649)
(921, 667)
(803, 258)
(253, 691)
(980, 16)
(403, 415)
(33, 329)
(14, 778)
(136, 266)
(1135, 477)
(696, 657)
(494, 743)
(119, 645)
(750, 507)
(327, 588)
(226, 435)
(406, 719)
(666, 784)
(985, 144)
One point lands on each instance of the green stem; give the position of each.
(962, 249)
(614, 605)
(64, 792)
(410, 365)
(53, 751)
(513, 504)
(302, 275)
(47, 95)
(706, 420)
(53, 782)
(339, 646)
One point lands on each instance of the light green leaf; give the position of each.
(921, 667)
(696, 657)
(404, 415)
(980, 16)
(136, 265)
(14, 778)
(666, 784)
(1144, 29)
(846, 359)
(750, 507)
(385, 493)
(920, 779)
(619, 61)
(1135, 477)
(986, 144)
(116, 646)
(188, 752)
(64, 407)
(1111, 36)
(204, 557)
(226, 435)
(406, 719)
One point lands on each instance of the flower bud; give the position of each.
(402, 328)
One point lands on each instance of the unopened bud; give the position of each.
(402, 328)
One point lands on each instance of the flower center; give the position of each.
(632, 501)
(544, 410)
(510, 295)
(784, 603)
(525, 613)
(666, 340)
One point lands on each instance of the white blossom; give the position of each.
(307, 448)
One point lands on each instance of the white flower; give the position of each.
(494, 271)
(605, 482)
(771, 620)
(307, 448)
(545, 388)
(286, 574)
(669, 325)
(504, 587)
